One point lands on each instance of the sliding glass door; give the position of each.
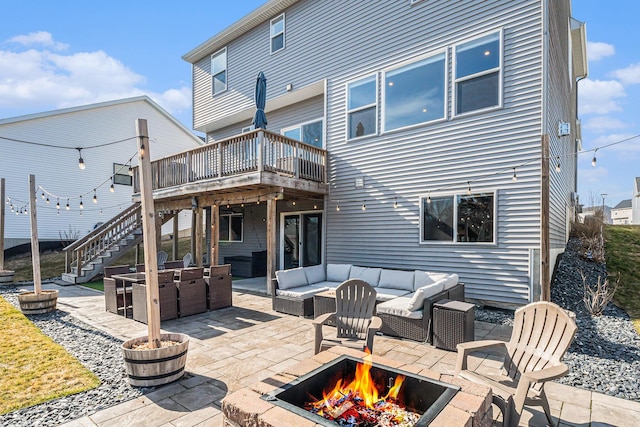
(301, 239)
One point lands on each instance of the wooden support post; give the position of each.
(2, 203)
(138, 253)
(158, 234)
(193, 233)
(545, 273)
(260, 150)
(149, 235)
(35, 245)
(271, 243)
(215, 234)
(198, 238)
(174, 243)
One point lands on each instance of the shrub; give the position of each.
(597, 297)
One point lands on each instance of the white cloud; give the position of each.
(629, 75)
(39, 79)
(624, 143)
(40, 38)
(598, 50)
(600, 96)
(603, 123)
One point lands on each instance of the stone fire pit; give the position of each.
(470, 407)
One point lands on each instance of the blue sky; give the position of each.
(57, 54)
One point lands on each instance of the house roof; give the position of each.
(144, 98)
(625, 204)
(243, 25)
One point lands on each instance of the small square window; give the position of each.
(121, 174)
(362, 107)
(277, 34)
(219, 71)
(231, 228)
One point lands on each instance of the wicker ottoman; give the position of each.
(453, 323)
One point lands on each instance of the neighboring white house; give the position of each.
(621, 213)
(593, 210)
(105, 132)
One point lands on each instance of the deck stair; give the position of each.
(104, 245)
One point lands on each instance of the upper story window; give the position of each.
(231, 227)
(458, 218)
(309, 133)
(477, 73)
(121, 174)
(277, 33)
(219, 71)
(414, 93)
(362, 107)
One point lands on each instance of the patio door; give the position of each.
(300, 239)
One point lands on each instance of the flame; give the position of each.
(362, 386)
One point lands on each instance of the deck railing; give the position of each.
(258, 150)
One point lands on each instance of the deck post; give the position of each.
(192, 247)
(189, 167)
(219, 160)
(198, 237)
(2, 203)
(174, 243)
(271, 242)
(35, 245)
(545, 276)
(149, 235)
(260, 151)
(215, 235)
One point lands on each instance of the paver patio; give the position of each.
(240, 345)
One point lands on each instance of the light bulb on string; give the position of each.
(67, 207)
(130, 169)
(42, 195)
(142, 148)
(468, 188)
(58, 205)
(429, 198)
(81, 204)
(47, 200)
(112, 188)
(364, 206)
(395, 203)
(25, 211)
(558, 168)
(594, 160)
(95, 197)
(81, 164)
(515, 177)
(338, 206)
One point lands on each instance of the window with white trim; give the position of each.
(277, 33)
(248, 128)
(231, 227)
(458, 218)
(414, 93)
(477, 74)
(219, 71)
(309, 132)
(121, 174)
(362, 107)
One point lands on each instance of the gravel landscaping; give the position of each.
(605, 355)
(96, 350)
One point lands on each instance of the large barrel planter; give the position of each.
(156, 366)
(6, 277)
(32, 303)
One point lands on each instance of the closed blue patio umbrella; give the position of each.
(260, 118)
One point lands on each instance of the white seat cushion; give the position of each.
(301, 292)
(291, 278)
(331, 285)
(418, 297)
(338, 272)
(315, 274)
(424, 278)
(385, 294)
(368, 274)
(398, 307)
(396, 279)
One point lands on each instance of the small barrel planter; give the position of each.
(6, 277)
(156, 366)
(32, 303)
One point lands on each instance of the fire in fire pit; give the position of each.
(356, 393)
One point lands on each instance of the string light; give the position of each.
(42, 195)
(142, 148)
(364, 206)
(338, 206)
(47, 199)
(67, 207)
(58, 205)
(429, 198)
(81, 205)
(594, 160)
(515, 177)
(112, 189)
(395, 203)
(468, 188)
(81, 164)
(95, 197)
(293, 203)
(558, 165)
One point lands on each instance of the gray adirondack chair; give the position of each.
(355, 323)
(541, 335)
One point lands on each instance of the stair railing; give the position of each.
(101, 239)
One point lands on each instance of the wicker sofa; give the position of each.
(405, 298)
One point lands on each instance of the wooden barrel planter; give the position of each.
(6, 277)
(156, 366)
(32, 303)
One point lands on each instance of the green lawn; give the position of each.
(622, 251)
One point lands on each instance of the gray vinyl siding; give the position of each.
(406, 164)
(254, 232)
(560, 108)
(304, 111)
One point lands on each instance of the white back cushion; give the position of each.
(315, 274)
(288, 279)
(338, 272)
(424, 278)
(450, 281)
(417, 301)
(368, 274)
(396, 279)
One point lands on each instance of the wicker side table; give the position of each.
(324, 302)
(453, 323)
